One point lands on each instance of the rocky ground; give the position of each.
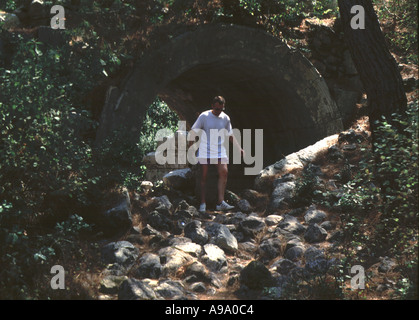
(269, 245)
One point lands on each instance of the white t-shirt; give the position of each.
(214, 130)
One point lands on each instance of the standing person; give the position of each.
(215, 126)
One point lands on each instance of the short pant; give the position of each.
(213, 160)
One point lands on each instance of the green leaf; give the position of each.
(39, 256)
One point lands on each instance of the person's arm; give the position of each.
(233, 139)
(196, 130)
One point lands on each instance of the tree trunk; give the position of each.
(376, 66)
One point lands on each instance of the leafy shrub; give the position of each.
(123, 159)
(386, 190)
(401, 26)
(43, 149)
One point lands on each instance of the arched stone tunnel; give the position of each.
(267, 85)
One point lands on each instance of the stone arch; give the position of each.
(267, 85)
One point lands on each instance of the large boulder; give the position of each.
(282, 194)
(181, 179)
(118, 219)
(294, 161)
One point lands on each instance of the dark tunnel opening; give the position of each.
(255, 99)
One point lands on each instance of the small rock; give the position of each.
(334, 154)
(349, 147)
(294, 242)
(123, 253)
(195, 232)
(162, 201)
(170, 289)
(135, 238)
(248, 246)
(317, 266)
(234, 218)
(313, 253)
(314, 216)
(244, 206)
(150, 266)
(350, 136)
(222, 237)
(159, 221)
(146, 186)
(336, 236)
(386, 265)
(313, 169)
(135, 230)
(172, 260)
(149, 231)
(133, 289)
(9, 20)
(252, 225)
(284, 266)
(292, 225)
(214, 258)
(110, 284)
(256, 276)
(273, 219)
(191, 248)
(233, 280)
(198, 270)
(294, 253)
(281, 195)
(270, 248)
(327, 225)
(198, 287)
(315, 233)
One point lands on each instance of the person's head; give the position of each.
(218, 105)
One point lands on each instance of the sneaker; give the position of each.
(223, 206)
(202, 208)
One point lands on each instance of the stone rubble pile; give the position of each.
(180, 253)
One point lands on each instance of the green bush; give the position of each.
(45, 153)
(401, 19)
(123, 159)
(387, 187)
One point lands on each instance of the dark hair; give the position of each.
(219, 99)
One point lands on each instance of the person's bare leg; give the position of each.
(222, 180)
(204, 172)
